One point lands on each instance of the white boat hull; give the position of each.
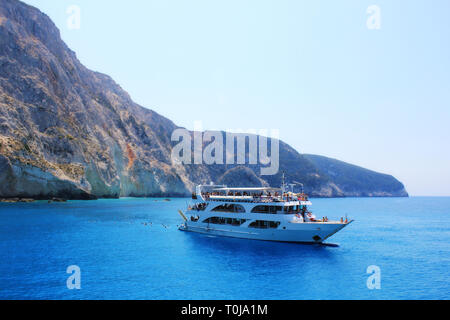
(296, 232)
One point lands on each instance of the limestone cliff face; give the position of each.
(239, 176)
(66, 131)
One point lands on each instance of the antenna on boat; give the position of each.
(283, 183)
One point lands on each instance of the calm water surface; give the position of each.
(122, 258)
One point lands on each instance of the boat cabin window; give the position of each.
(291, 209)
(267, 209)
(200, 206)
(229, 221)
(229, 208)
(260, 224)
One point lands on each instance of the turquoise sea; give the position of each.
(131, 249)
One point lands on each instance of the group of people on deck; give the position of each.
(258, 196)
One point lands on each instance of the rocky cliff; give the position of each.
(354, 181)
(66, 131)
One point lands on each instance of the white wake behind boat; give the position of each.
(270, 214)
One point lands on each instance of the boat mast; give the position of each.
(283, 184)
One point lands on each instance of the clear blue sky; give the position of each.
(375, 98)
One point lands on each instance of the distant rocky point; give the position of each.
(71, 133)
(354, 181)
(14, 200)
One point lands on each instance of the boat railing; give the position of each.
(248, 199)
(231, 199)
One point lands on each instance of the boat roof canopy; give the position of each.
(248, 189)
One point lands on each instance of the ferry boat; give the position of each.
(270, 214)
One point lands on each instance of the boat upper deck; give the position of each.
(275, 200)
(265, 195)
